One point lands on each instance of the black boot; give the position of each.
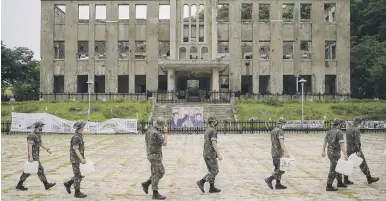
(48, 185)
(200, 184)
(279, 186)
(371, 180)
(341, 185)
(213, 189)
(67, 185)
(78, 194)
(331, 188)
(269, 181)
(20, 186)
(157, 196)
(145, 186)
(346, 181)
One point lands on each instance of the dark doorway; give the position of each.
(123, 84)
(99, 84)
(246, 84)
(59, 84)
(264, 84)
(307, 85)
(330, 84)
(82, 86)
(140, 84)
(162, 82)
(289, 84)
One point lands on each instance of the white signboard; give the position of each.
(23, 122)
(293, 124)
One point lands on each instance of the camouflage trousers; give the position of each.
(334, 156)
(277, 172)
(212, 165)
(157, 172)
(41, 175)
(77, 178)
(365, 169)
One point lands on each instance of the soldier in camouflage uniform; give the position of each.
(154, 142)
(34, 143)
(353, 138)
(211, 154)
(278, 150)
(334, 139)
(76, 157)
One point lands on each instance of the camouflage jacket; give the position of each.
(334, 137)
(36, 140)
(76, 143)
(154, 140)
(276, 149)
(209, 136)
(353, 138)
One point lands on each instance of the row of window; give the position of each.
(192, 12)
(194, 52)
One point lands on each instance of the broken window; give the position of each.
(123, 49)
(162, 82)
(164, 50)
(223, 49)
(330, 51)
(264, 12)
(140, 83)
(141, 13)
(330, 84)
(246, 12)
(182, 53)
(201, 33)
(100, 49)
(288, 12)
(288, 49)
(246, 84)
(99, 84)
(264, 49)
(264, 84)
(164, 13)
(204, 53)
(140, 49)
(123, 84)
(60, 14)
(82, 86)
(124, 13)
(246, 50)
(194, 33)
(58, 83)
(83, 13)
(59, 49)
(100, 13)
(193, 12)
(193, 53)
(289, 84)
(223, 13)
(201, 13)
(305, 12)
(82, 49)
(185, 14)
(185, 33)
(224, 81)
(329, 12)
(305, 49)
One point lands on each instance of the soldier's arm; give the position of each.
(166, 136)
(342, 143)
(281, 140)
(75, 145)
(161, 140)
(214, 143)
(31, 141)
(324, 145)
(357, 140)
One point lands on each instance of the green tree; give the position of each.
(288, 13)
(223, 13)
(246, 11)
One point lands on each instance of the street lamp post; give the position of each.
(302, 81)
(90, 82)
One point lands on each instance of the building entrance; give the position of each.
(192, 86)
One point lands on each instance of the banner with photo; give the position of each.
(187, 117)
(369, 124)
(23, 122)
(293, 124)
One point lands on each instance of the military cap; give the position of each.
(212, 119)
(79, 124)
(282, 120)
(337, 121)
(38, 123)
(160, 123)
(357, 120)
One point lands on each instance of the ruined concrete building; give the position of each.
(251, 46)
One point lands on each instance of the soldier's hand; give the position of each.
(219, 157)
(31, 160)
(359, 154)
(324, 154)
(165, 130)
(83, 161)
(345, 157)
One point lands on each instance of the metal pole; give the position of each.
(297, 84)
(89, 103)
(302, 103)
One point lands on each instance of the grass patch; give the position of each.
(101, 111)
(37, 195)
(264, 110)
(179, 161)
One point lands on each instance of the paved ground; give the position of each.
(121, 166)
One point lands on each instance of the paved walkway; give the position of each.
(121, 167)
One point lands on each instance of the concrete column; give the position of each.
(91, 44)
(235, 45)
(297, 41)
(208, 32)
(171, 82)
(71, 47)
(111, 73)
(214, 28)
(343, 47)
(276, 78)
(255, 48)
(46, 47)
(152, 46)
(215, 80)
(132, 34)
(173, 31)
(318, 43)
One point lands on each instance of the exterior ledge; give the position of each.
(193, 65)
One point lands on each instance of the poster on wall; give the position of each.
(187, 117)
(368, 124)
(293, 124)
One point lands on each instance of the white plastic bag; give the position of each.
(88, 168)
(344, 167)
(384, 152)
(357, 161)
(31, 168)
(287, 163)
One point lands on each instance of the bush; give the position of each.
(5, 113)
(272, 101)
(120, 111)
(27, 108)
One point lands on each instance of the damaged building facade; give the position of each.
(250, 46)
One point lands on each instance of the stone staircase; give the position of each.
(220, 111)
